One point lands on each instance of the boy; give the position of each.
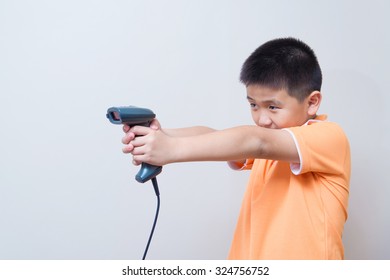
(295, 205)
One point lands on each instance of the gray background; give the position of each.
(66, 189)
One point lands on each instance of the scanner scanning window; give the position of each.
(115, 116)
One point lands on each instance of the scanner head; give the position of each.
(130, 115)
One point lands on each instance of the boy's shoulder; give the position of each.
(320, 130)
(323, 147)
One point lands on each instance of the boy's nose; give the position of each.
(264, 120)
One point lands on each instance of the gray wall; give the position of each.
(66, 189)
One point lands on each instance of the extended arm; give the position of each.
(158, 148)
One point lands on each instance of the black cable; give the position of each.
(156, 190)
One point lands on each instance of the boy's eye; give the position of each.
(271, 107)
(253, 105)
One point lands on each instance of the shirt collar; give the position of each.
(318, 118)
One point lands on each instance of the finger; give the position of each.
(128, 137)
(140, 130)
(137, 142)
(126, 128)
(128, 149)
(136, 162)
(137, 151)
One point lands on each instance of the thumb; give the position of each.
(155, 124)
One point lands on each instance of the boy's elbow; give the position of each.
(236, 164)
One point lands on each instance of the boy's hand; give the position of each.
(136, 146)
(150, 146)
(155, 124)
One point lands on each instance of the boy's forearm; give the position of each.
(224, 145)
(188, 131)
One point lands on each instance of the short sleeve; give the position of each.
(322, 147)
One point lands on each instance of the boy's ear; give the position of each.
(313, 102)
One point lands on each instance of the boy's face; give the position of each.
(276, 109)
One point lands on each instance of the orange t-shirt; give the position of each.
(297, 211)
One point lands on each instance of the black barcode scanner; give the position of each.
(132, 116)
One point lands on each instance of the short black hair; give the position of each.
(285, 63)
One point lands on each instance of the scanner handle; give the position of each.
(147, 172)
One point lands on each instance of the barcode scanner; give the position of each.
(132, 116)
